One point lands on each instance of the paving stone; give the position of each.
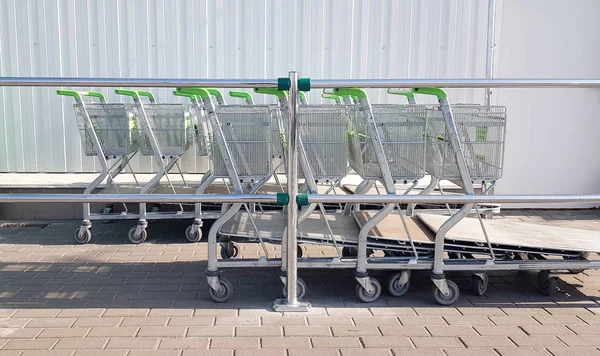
(237, 320)
(367, 352)
(80, 344)
(62, 333)
(375, 320)
(184, 343)
(471, 352)
(546, 330)
(154, 353)
(502, 330)
(436, 341)
(191, 321)
(354, 330)
(215, 312)
(13, 322)
(122, 331)
(42, 344)
(46, 353)
(207, 353)
(12, 333)
(574, 350)
(419, 352)
(422, 320)
(210, 331)
(145, 321)
(486, 341)
(348, 312)
(583, 329)
(451, 330)
(260, 352)
(162, 331)
(126, 312)
(37, 313)
(521, 351)
(403, 330)
(98, 322)
(580, 340)
(391, 311)
(133, 343)
(329, 320)
(50, 322)
(288, 342)
(264, 330)
(519, 320)
(436, 311)
(335, 342)
(536, 341)
(385, 341)
(75, 313)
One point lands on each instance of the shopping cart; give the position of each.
(166, 133)
(108, 132)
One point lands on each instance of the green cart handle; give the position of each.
(302, 95)
(79, 94)
(438, 92)
(408, 94)
(199, 92)
(332, 97)
(280, 94)
(145, 93)
(135, 93)
(215, 92)
(190, 96)
(353, 92)
(241, 94)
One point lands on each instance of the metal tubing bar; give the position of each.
(489, 56)
(138, 198)
(456, 83)
(449, 199)
(292, 188)
(136, 82)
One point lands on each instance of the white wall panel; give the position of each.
(215, 39)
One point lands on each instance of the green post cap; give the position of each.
(408, 94)
(440, 93)
(200, 92)
(283, 199)
(271, 91)
(302, 199)
(240, 94)
(187, 95)
(353, 92)
(77, 94)
(304, 84)
(283, 84)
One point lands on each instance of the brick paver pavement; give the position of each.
(113, 298)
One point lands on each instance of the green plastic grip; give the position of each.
(332, 97)
(240, 94)
(145, 93)
(302, 95)
(353, 92)
(408, 94)
(187, 95)
(302, 199)
(304, 84)
(283, 199)
(199, 92)
(127, 92)
(215, 92)
(438, 92)
(78, 94)
(272, 91)
(283, 84)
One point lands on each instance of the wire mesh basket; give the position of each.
(481, 131)
(202, 130)
(278, 130)
(247, 132)
(114, 127)
(172, 126)
(401, 131)
(323, 130)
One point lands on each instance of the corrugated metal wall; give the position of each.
(215, 39)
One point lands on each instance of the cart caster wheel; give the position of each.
(231, 251)
(193, 233)
(300, 252)
(136, 238)
(576, 271)
(395, 288)
(85, 238)
(300, 289)
(480, 284)
(449, 299)
(349, 252)
(224, 292)
(365, 297)
(546, 284)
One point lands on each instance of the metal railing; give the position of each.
(291, 303)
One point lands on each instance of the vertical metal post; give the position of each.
(489, 57)
(291, 253)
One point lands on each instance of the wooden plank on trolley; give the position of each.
(391, 227)
(518, 234)
(271, 226)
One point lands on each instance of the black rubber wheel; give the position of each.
(349, 252)
(395, 288)
(136, 238)
(232, 251)
(85, 238)
(480, 284)
(547, 285)
(365, 297)
(453, 295)
(223, 294)
(193, 234)
(300, 289)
